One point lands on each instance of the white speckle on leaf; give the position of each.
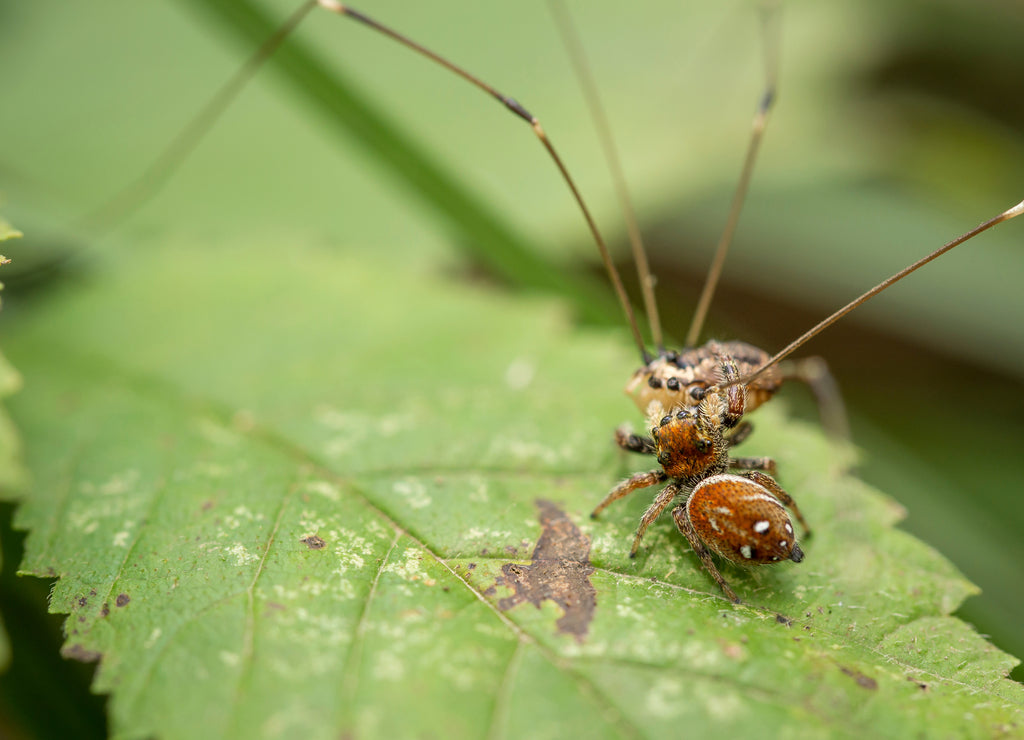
(389, 426)
(519, 374)
(284, 594)
(478, 493)
(723, 704)
(121, 539)
(489, 535)
(230, 659)
(387, 667)
(665, 699)
(153, 637)
(89, 527)
(526, 450)
(242, 555)
(120, 483)
(627, 611)
(411, 569)
(414, 493)
(324, 488)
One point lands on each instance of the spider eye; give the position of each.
(703, 445)
(665, 420)
(698, 392)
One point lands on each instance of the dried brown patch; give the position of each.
(122, 600)
(559, 571)
(314, 542)
(77, 652)
(865, 682)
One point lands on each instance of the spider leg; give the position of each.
(640, 480)
(684, 525)
(753, 463)
(634, 442)
(740, 433)
(661, 502)
(778, 492)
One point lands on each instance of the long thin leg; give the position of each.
(513, 105)
(740, 433)
(1011, 212)
(683, 523)
(753, 463)
(814, 373)
(770, 15)
(611, 156)
(779, 492)
(640, 480)
(661, 502)
(634, 442)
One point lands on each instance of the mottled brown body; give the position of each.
(675, 379)
(741, 521)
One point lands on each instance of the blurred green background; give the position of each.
(898, 127)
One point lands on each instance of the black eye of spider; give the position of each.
(702, 445)
(665, 420)
(672, 384)
(697, 392)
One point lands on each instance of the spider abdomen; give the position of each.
(741, 521)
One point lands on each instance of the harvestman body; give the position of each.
(695, 398)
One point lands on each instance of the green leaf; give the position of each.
(132, 73)
(7, 231)
(283, 486)
(12, 471)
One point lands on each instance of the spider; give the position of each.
(740, 517)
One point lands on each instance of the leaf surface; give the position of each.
(291, 490)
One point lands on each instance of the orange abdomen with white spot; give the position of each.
(741, 521)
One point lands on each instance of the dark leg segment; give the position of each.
(634, 442)
(814, 373)
(779, 492)
(640, 480)
(661, 502)
(753, 463)
(683, 523)
(740, 433)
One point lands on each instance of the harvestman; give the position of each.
(694, 398)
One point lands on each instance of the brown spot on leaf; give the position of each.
(731, 649)
(783, 619)
(314, 542)
(77, 652)
(559, 571)
(122, 599)
(865, 682)
(82, 601)
(105, 609)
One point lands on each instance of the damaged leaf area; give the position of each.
(559, 571)
(275, 504)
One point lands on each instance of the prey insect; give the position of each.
(695, 398)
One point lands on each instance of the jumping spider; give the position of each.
(741, 517)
